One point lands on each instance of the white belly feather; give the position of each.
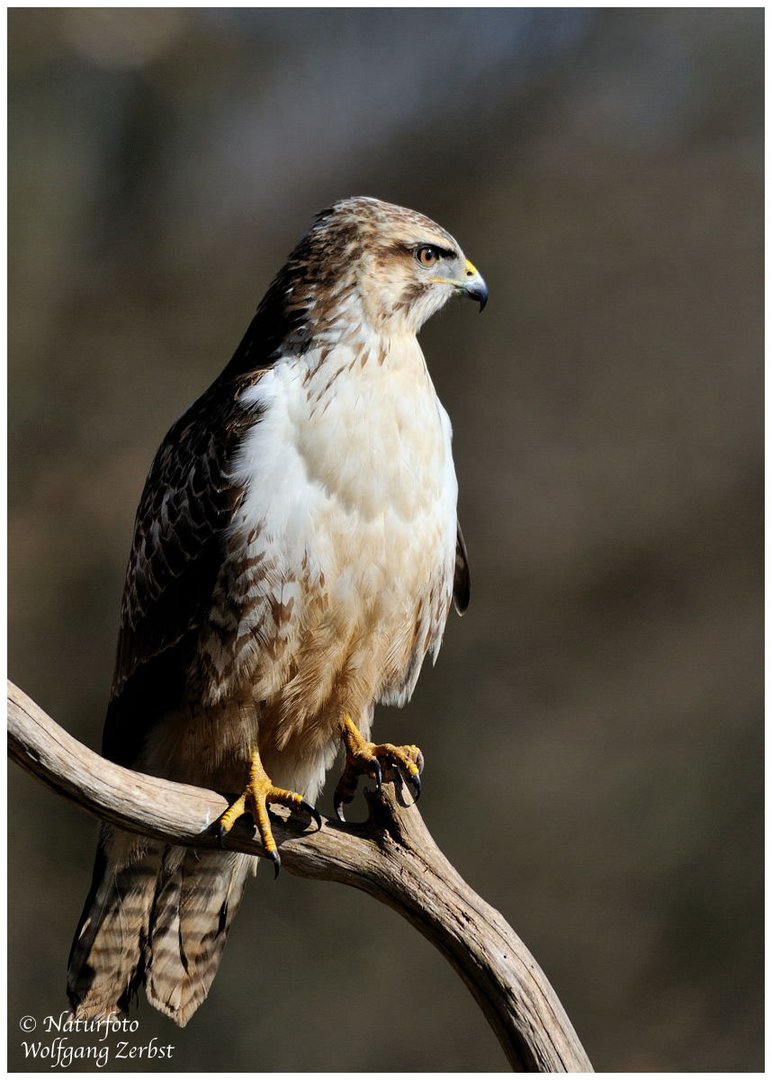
(344, 546)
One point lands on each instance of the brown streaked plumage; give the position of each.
(295, 555)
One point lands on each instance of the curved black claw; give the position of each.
(276, 860)
(377, 774)
(411, 779)
(221, 832)
(312, 812)
(414, 783)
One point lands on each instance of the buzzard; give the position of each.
(296, 551)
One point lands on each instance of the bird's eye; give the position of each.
(427, 255)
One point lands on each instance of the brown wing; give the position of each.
(461, 579)
(186, 506)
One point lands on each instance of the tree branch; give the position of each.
(392, 857)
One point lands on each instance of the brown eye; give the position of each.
(427, 255)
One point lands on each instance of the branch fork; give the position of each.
(392, 857)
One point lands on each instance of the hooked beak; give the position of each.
(474, 285)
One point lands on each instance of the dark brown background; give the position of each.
(593, 726)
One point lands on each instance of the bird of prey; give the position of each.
(296, 552)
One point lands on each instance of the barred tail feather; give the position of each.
(156, 916)
(192, 914)
(106, 964)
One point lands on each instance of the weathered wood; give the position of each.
(392, 857)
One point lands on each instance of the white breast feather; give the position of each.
(350, 490)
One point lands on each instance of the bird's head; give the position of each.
(396, 265)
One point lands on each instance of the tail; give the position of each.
(156, 916)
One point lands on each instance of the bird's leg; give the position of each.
(259, 792)
(364, 758)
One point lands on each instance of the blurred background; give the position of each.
(593, 728)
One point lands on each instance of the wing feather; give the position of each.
(461, 578)
(187, 504)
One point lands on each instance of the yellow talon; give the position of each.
(259, 792)
(365, 758)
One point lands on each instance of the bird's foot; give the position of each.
(364, 758)
(259, 792)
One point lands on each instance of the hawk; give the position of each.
(296, 552)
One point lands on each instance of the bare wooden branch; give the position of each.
(392, 857)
